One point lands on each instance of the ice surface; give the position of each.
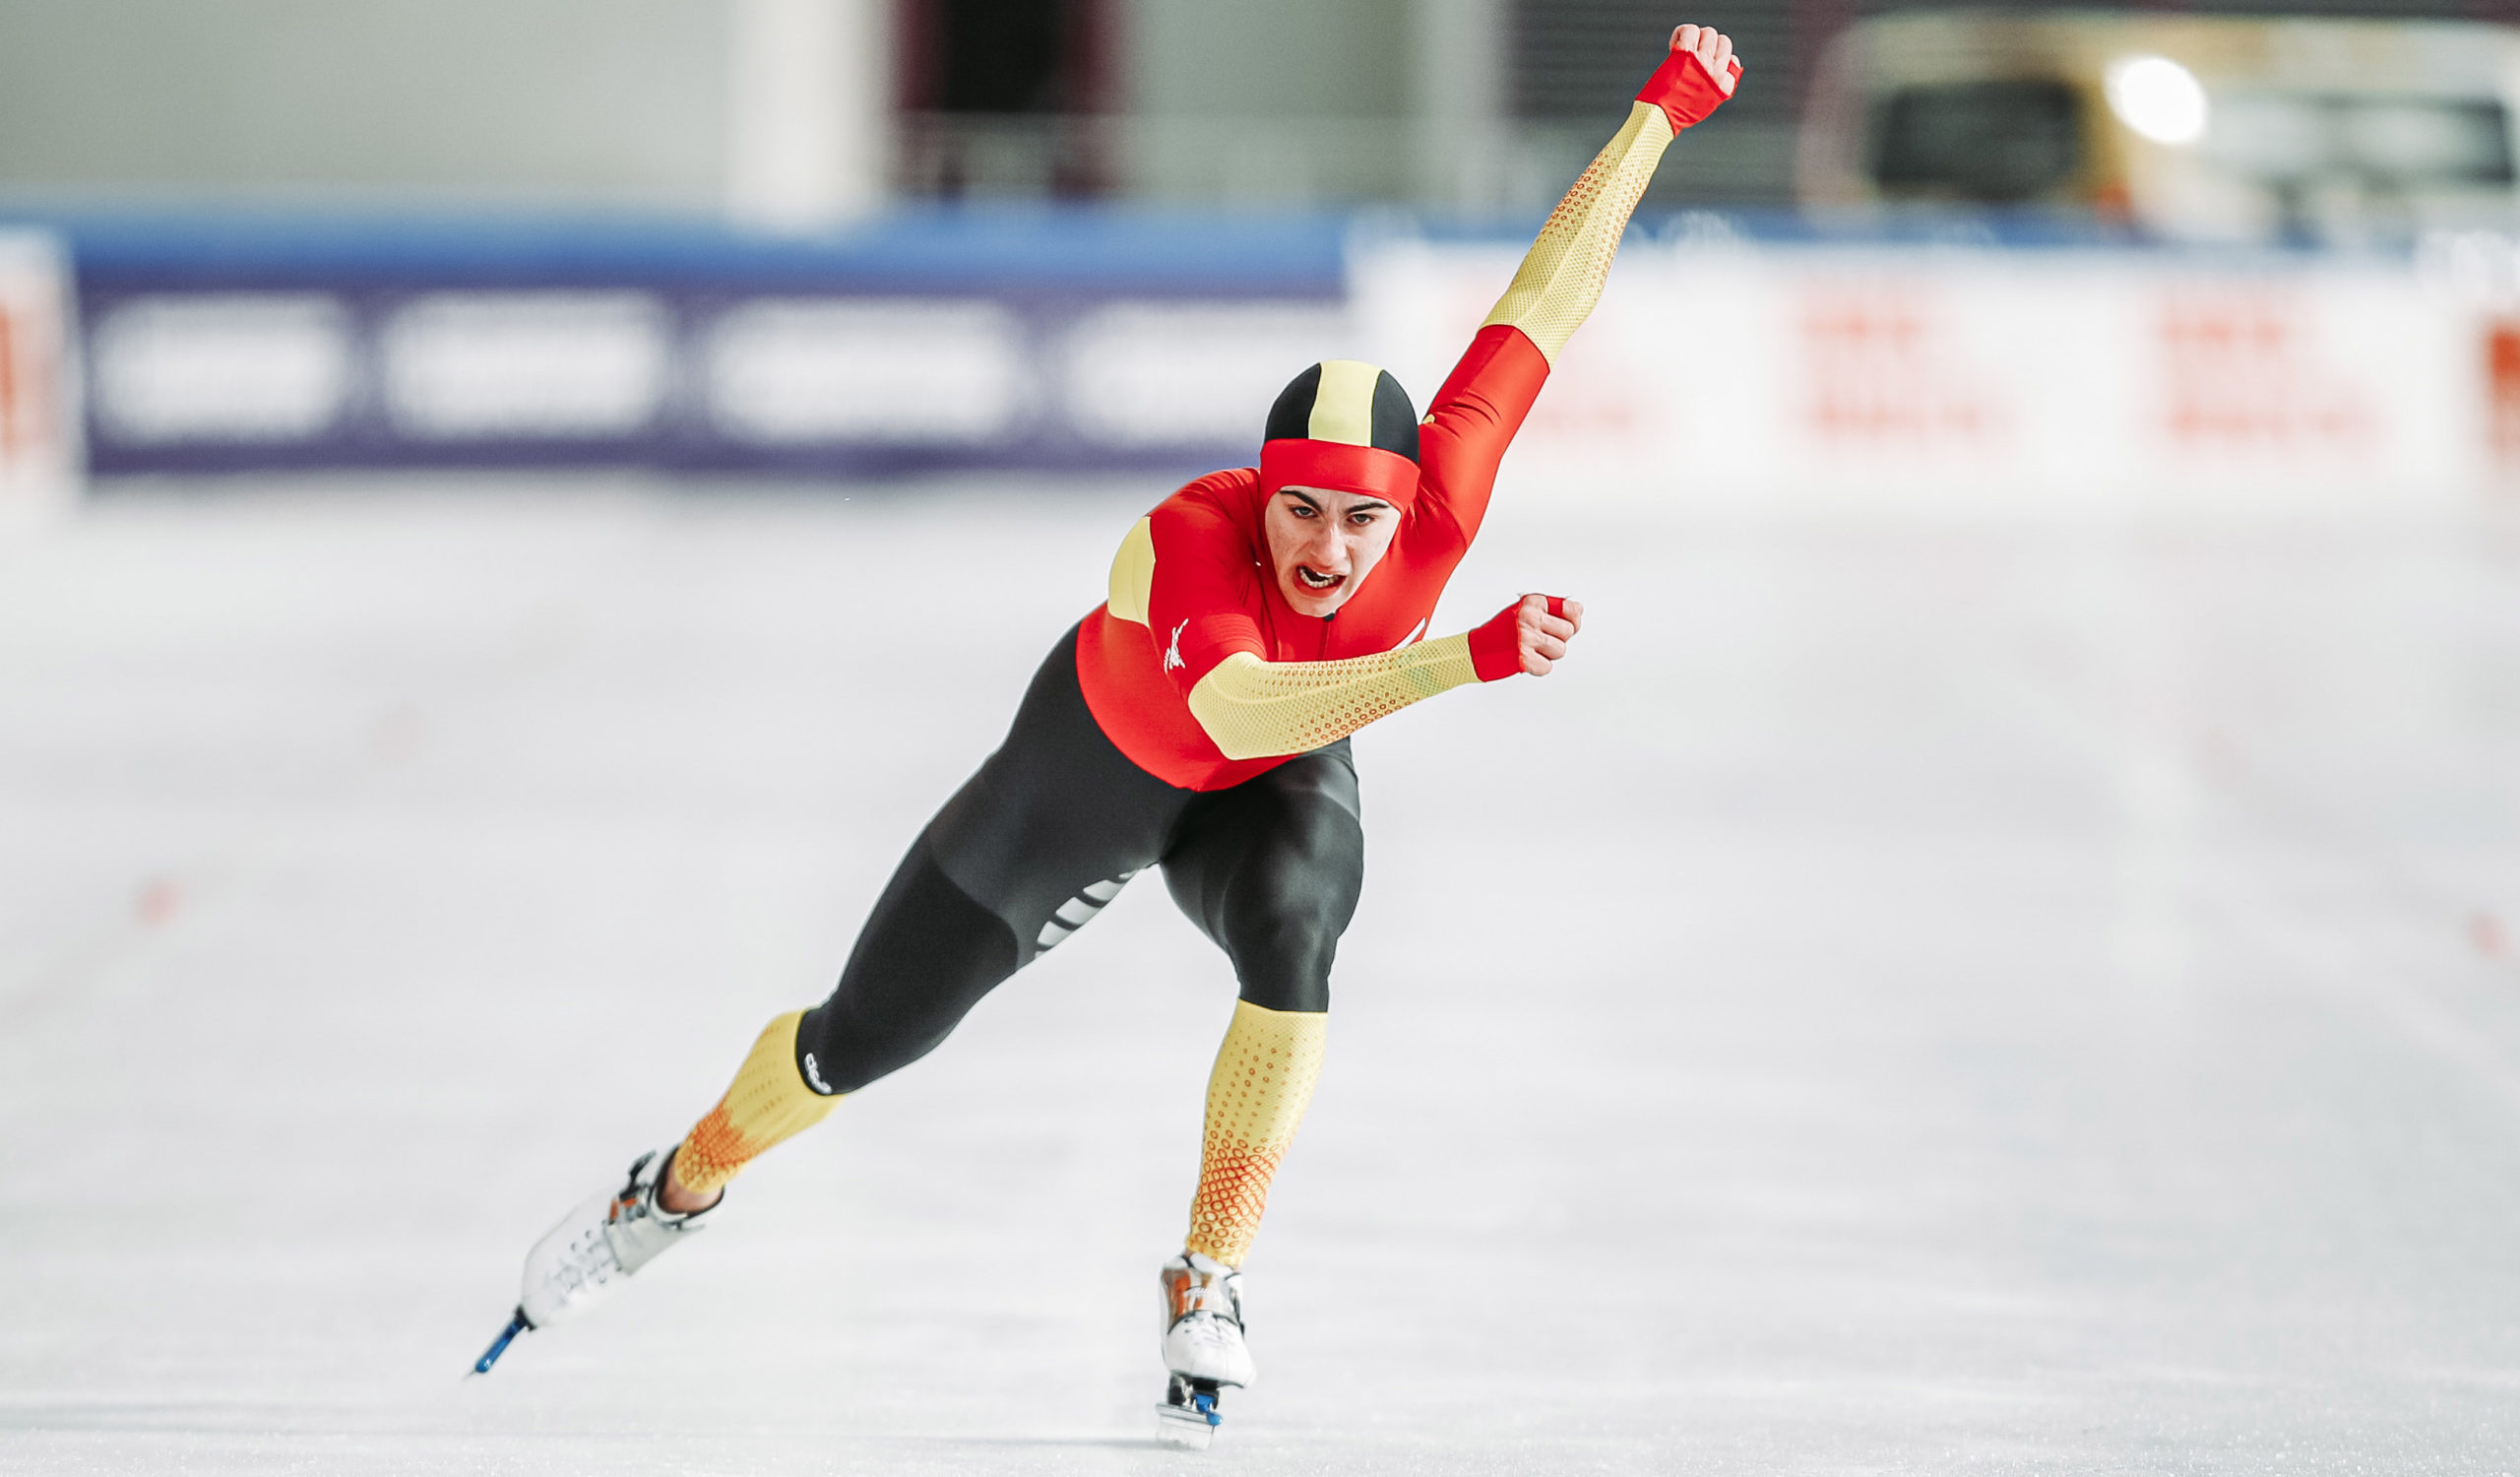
(1906, 997)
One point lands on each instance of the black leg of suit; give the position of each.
(1048, 832)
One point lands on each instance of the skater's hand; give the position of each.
(1528, 636)
(1543, 625)
(1714, 51)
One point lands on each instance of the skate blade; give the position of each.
(1183, 1429)
(1188, 1417)
(498, 1346)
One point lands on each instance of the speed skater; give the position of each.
(1198, 721)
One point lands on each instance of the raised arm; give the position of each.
(1562, 278)
(1482, 405)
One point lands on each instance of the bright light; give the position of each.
(2158, 99)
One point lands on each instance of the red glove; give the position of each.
(1684, 89)
(1497, 647)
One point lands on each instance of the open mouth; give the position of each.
(1315, 581)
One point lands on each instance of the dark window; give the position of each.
(1999, 143)
(1001, 56)
(1002, 98)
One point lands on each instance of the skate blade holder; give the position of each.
(1188, 1417)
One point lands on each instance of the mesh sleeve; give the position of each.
(1559, 280)
(1256, 709)
(1256, 1096)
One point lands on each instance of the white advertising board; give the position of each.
(1977, 378)
(40, 462)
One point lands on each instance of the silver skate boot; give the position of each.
(1203, 1347)
(580, 1261)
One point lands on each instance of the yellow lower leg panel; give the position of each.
(767, 1104)
(1256, 1097)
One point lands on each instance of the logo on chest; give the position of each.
(1173, 653)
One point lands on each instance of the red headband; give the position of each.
(1369, 470)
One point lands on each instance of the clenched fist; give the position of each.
(1714, 51)
(1528, 636)
(1542, 628)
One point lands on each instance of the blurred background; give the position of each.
(2001, 952)
(2021, 250)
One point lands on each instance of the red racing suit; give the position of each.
(1198, 669)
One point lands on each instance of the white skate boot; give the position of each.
(1203, 1347)
(580, 1261)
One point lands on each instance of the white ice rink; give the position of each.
(1908, 996)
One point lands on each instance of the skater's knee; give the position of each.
(1286, 912)
(1295, 988)
(840, 1049)
(829, 1053)
(1284, 943)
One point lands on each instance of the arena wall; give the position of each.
(1989, 377)
(1720, 366)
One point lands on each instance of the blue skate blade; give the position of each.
(507, 1336)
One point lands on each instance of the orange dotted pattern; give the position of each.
(1256, 1097)
(1562, 278)
(1254, 709)
(713, 1151)
(767, 1104)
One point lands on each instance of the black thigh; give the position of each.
(1271, 869)
(1027, 851)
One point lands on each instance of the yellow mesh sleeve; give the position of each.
(1133, 572)
(1256, 1097)
(767, 1104)
(1561, 279)
(1253, 709)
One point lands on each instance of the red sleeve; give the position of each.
(1205, 601)
(1684, 89)
(1471, 421)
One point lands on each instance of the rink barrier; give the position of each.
(1760, 359)
(1726, 369)
(1034, 340)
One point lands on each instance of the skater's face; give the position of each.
(1323, 542)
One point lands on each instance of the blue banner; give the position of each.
(1040, 338)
